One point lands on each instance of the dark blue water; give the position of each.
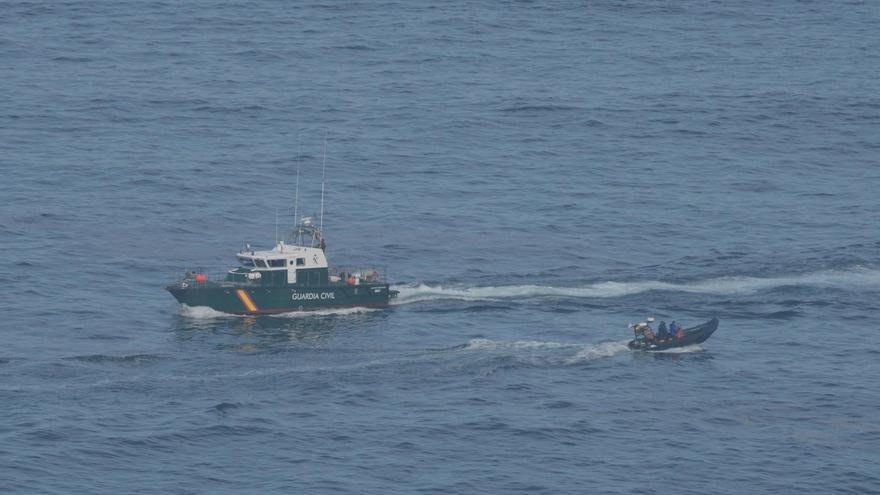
(535, 176)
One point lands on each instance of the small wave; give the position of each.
(475, 308)
(355, 47)
(840, 279)
(134, 359)
(540, 108)
(71, 59)
(259, 55)
(225, 407)
(782, 315)
(230, 110)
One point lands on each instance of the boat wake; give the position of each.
(549, 353)
(838, 279)
(486, 344)
(597, 351)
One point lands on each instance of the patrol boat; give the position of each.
(292, 276)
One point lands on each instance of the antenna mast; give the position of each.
(276, 226)
(296, 196)
(323, 167)
(296, 203)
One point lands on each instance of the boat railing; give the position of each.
(199, 276)
(358, 275)
(345, 275)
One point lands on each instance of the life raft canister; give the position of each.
(201, 277)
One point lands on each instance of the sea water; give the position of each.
(535, 176)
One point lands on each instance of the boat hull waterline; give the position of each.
(274, 300)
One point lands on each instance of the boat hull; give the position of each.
(692, 336)
(256, 300)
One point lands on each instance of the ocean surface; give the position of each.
(534, 175)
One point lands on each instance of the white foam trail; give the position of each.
(585, 352)
(597, 351)
(325, 312)
(682, 350)
(202, 312)
(842, 279)
(486, 344)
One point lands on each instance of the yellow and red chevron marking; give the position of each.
(246, 300)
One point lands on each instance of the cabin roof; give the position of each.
(281, 251)
(310, 257)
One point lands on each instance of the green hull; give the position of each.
(248, 299)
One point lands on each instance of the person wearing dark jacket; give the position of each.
(662, 333)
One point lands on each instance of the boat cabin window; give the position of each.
(260, 263)
(300, 262)
(276, 263)
(246, 261)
